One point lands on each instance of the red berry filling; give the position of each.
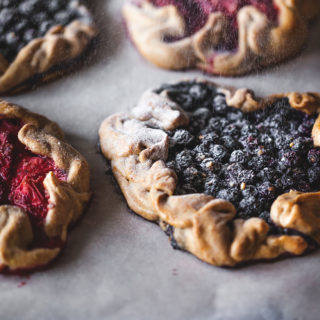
(196, 12)
(21, 176)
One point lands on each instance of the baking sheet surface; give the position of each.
(119, 266)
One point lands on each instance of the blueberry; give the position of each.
(11, 38)
(265, 140)
(249, 190)
(231, 195)
(218, 152)
(199, 118)
(289, 159)
(314, 156)
(249, 130)
(250, 205)
(234, 115)
(6, 17)
(234, 168)
(184, 159)
(257, 163)
(218, 122)
(29, 35)
(267, 190)
(199, 91)
(301, 144)
(184, 100)
(249, 142)
(210, 165)
(212, 184)
(219, 105)
(238, 156)
(192, 176)
(231, 130)
(181, 137)
(209, 138)
(54, 5)
(171, 165)
(287, 181)
(246, 176)
(201, 151)
(282, 142)
(44, 26)
(268, 174)
(314, 175)
(28, 7)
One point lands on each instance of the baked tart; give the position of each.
(223, 37)
(44, 187)
(229, 176)
(38, 39)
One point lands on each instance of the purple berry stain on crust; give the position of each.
(196, 12)
(248, 159)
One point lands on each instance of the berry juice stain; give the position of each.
(195, 14)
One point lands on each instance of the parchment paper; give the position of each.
(119, 266)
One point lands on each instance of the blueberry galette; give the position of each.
(44, 186)
(38, 38)
(228, 37)
(229, 177)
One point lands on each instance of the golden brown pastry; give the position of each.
(224, 37)
(39, 39)
(44, 187)
(229, 176)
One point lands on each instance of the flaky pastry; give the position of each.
(137, 145)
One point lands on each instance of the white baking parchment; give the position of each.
(117, 265)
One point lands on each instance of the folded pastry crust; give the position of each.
(260, 42)
(67, 199)
(40, 56)
(137, 146)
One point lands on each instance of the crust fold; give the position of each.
(202, 225)
(59, 45)
(260, 42)
(66, 199)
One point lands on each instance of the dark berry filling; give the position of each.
(23, 21)
(248, 159)
(21, 178)
(196, 12)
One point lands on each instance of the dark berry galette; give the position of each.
(230, 177)
(44, 186)
(229, 37)
(37, 35)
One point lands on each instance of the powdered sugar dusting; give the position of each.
(159, 111)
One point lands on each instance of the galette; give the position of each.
(39, 39)
(230, 177)
(44, 187)
(223, 37)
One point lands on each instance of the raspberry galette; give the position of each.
(44, 186)
(227, 37)
(229, 177)
(38, 39)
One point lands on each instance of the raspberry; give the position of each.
(22, 173)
